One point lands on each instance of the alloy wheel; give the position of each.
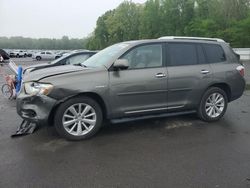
(215, 105)
(79, 119)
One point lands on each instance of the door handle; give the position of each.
(160, 75)
(205, 71)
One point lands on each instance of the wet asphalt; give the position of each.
(168, 152)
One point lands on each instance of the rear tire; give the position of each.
(78, 118)
(213, 104)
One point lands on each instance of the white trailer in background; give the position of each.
(243, 52)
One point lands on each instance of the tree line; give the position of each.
(226, 19)
(44, 43)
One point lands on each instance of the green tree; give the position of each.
(123, 25)
(151, 19)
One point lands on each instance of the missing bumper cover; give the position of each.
(25, 128)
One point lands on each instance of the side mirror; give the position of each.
(121, 64)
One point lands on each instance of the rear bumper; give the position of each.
(238, 89)
(35, 109)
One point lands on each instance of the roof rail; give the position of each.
(192, 38)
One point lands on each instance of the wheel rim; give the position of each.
(7, 91)
(215, 105)
(79, 119)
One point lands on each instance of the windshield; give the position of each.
(59, 59)
(104, 56)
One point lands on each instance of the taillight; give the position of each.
(241, 70)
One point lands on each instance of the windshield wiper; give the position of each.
(80, 64)
(83, 65)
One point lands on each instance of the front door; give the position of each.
(142, 88)
(49, 55)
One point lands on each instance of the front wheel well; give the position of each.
(225, 87)
(91, 95)
(98, 99)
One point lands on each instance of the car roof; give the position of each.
(191, 38)
(176, 39)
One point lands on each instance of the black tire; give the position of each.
(58, 120)
(17, 56)
(202, 107)
(38, 58)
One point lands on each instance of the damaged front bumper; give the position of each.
(35, 109)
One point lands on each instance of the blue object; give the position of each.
(19, 78)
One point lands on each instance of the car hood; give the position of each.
(42, 65)
(54, 71)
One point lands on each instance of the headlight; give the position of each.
(36, 88)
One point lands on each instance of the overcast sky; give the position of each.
(52, 18)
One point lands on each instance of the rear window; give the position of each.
(233, 55)
(182, 54)
(215, 53)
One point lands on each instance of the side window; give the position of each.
(147, 56)
(233, 55)
(214, 53)
(43, 53)
(77, 59)
(201, 55)
(48, 53)
(182, 54)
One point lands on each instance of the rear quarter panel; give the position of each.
(226, 73)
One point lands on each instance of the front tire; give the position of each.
(213, 104)
(78, 118)
(38, 58)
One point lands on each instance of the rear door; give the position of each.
(43, 55)
(188, 74)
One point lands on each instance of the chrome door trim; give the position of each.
(140, 93)
(205, 71)
(152, 110)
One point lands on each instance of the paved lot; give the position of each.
(247, 72)
(168, 152)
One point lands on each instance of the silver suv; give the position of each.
(134, 79)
